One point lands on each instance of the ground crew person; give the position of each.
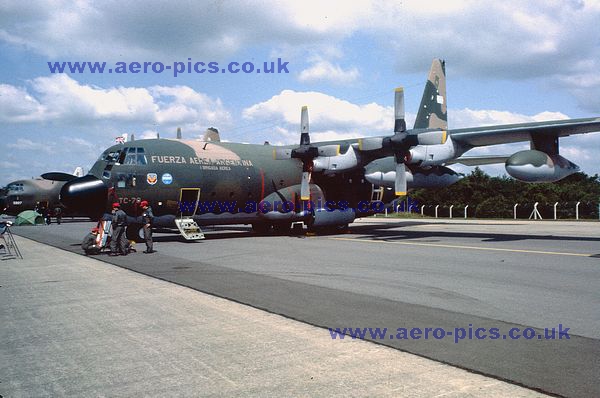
(118, 240)
(58, 214)
(147, 218)
(89, 245)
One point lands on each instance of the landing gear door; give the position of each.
(188, 202)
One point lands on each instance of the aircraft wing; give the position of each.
(504, 134)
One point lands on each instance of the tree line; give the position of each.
(495, 197)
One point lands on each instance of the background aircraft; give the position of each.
(23, 195)
(321, 184)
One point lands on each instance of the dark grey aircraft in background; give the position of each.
(42, 191)
(326, 184)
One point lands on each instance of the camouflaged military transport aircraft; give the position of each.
(327, 184)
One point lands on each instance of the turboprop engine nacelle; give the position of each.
(432, 155)
(537, 166)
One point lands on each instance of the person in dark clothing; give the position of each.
(89, 245)
(45, 212)
(147, 218)
(118, 240)
(58, 214)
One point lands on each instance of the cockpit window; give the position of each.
(128, 156)
(110, 157)
(135, 156)
(141, 156)
(15, 187)
(121, 159)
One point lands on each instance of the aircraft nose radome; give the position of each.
(86, 194)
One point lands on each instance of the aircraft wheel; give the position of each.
(261, 228)
(342, 228)
(282, 229)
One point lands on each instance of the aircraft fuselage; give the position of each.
(173, 174)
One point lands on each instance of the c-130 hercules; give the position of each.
(338, 178)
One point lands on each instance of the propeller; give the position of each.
(398, 139)
(401, 142)
(305, 153)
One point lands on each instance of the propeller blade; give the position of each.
(329, 150)
(305, 187)
(304, 136)
(432, 137)
(370, 143)
(400, 183)
(282, 153)
(400, 123)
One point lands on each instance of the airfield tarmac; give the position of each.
(391, 273)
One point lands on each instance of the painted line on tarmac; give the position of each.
(466, 247)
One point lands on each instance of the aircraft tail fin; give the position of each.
(433, 111)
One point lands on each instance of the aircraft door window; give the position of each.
(121, 181)
(126, 180)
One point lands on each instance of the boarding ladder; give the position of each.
(377, 193)
(189, 229)
(186, 225)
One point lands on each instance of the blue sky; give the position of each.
(506, 62)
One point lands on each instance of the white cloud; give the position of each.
(459, 118)
(24, 144)
(183, 105)
(147, 134)
(63, 99)
(155, 29)
(16, 105)
(553, 40)
(79, 142)
(325, 113)
(325, 71)
(580, 154)
(8, 165)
